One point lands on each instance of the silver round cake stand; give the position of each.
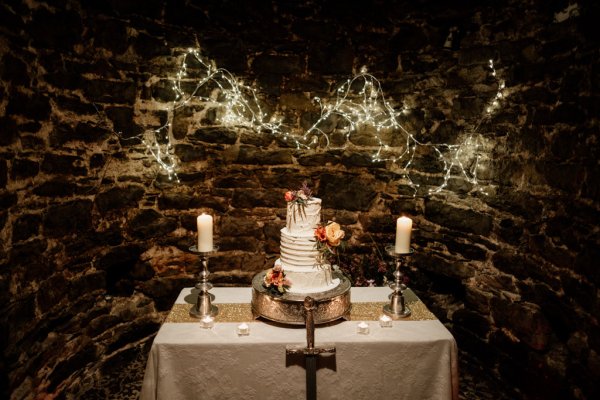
(288, 308)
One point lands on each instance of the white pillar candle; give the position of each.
(205, 233)
(403, 230)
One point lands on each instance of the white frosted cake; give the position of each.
(299, 256)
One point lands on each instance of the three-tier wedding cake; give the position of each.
(302, 267)
(299, 256)
(303, 270)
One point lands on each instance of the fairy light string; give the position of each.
(359, 106)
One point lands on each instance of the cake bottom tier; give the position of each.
(310, 280)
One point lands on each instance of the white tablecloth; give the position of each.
(414, 360)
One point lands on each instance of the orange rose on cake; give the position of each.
(334, 233)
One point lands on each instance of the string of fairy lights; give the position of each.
(359, 106)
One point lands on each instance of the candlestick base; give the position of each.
(203, 306)
(397, 308)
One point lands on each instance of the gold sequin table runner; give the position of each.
(360, 311)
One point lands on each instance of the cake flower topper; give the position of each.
(328, 238)
(300, 196)
(275, 279)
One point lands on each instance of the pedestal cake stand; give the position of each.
(288, 308)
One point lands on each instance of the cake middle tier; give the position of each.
(298, 250)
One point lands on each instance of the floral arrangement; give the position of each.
(328, 238)
(300, 196)
(276, 281)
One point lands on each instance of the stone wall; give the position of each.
(94, 234)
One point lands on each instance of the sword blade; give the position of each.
(311, 377)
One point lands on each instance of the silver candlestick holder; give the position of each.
(203, 306)
(397, 308)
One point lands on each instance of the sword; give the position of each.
(310, 351)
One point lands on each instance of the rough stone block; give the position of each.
(272, 235)
(237, 181)
(378, 223)
(59, 30)
(68, 218)
(556, 308)
(85, 354)
(90, 133)
(111, 34)
(357, 160)
(231, 226)
(409, 37)
(587, 260)
(14, 70)
(119, 198)
(35, 106)
(74, 104)
(148, 223)
(105, 91)
(253, 155)
(295, 101)
(282, 179)
(517, 264)
(473, 321)
(310, 159)
(131, 333)
(476, 55)
(3, 173)
(24, 168)
(63, 165)
(162, 91)
(347, 192)
(241, 243)
(87, 283)
(8, 131)
(56, 188)
(591, 185)
(26, 226)
(457, 218)
(122, 119)
(516, 202)
(215, 135)
(7, 200)
(51, 292)
(335, 58)
(566, 176)
(148, 46)
(179, 201)
(444, 267)
(278, 64)
(525, 320)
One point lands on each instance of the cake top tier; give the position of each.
(303, 216)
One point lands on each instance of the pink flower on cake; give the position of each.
(290, 196)
(275, 279)
(321, 234)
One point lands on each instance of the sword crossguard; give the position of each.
(315, 351)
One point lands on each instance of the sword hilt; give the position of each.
(310, 349)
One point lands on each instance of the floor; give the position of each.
(125, 380)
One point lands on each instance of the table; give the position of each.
(414, 360)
